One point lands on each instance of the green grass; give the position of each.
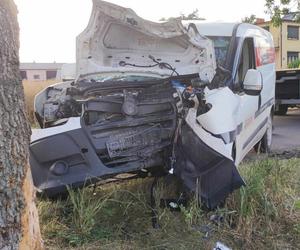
(263, 215)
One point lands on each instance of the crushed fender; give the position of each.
(203, 170)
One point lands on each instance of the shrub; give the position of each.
(294, 64)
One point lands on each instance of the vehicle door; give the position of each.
(247, 129)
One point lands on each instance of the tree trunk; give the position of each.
(19, 228)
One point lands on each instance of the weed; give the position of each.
(264, 214)
(84, 210)
(193, 213)
(263, 207)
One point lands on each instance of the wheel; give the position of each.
(282, 110)
(264, 145)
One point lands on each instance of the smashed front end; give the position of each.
(144, 109)
(122, 127)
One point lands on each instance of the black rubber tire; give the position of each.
(233, 152)
(282, 109)
(264, 145)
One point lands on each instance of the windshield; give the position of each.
(221, 45)
(117, 78)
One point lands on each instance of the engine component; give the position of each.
(129, 106)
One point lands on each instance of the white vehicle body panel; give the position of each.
(225, 104)
(73, 123)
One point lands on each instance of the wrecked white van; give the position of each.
(192, 99)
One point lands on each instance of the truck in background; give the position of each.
(287, 90)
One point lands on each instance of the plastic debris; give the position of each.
(221, 246)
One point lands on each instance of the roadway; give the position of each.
(286, 133)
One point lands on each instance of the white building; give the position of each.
(40, 71)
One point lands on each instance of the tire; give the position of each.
(282, 109)
(233, 152)
(264, 145)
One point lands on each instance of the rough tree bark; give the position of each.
(19, 228)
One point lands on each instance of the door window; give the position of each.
(221, 45)
(246, 62)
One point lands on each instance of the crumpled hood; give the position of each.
(116, 39)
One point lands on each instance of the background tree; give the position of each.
(19, 228)
(276, 9)
(194, 15)
(250, 19)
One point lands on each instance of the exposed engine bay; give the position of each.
(126, 121)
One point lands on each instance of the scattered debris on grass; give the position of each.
(264, 214)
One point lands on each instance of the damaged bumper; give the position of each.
(203, 170)
(70, 158)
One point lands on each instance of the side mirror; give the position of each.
(253, 82)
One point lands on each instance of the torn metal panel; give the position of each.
(203, 170)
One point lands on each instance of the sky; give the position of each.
(48, 28)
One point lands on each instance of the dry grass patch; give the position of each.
(30, 90)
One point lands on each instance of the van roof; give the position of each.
(222, 28)
(214, 29)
